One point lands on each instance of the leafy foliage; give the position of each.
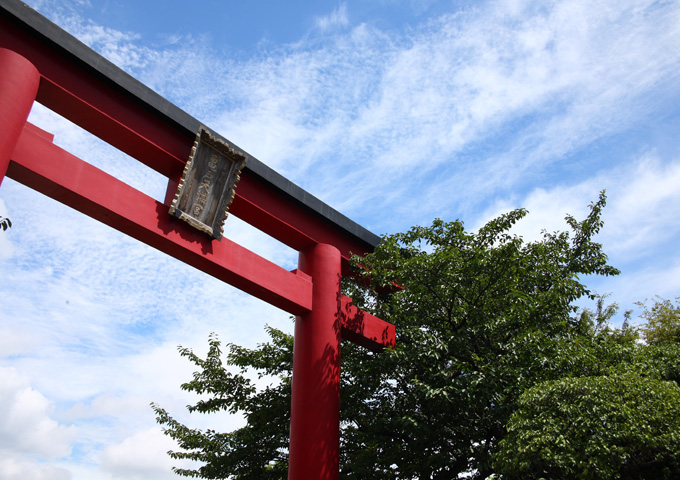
(481, 318)
(613, 415)
(257, 451)
(663, 322)
(604, 427)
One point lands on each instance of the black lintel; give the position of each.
(41, 27)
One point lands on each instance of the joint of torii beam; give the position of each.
(40, 62)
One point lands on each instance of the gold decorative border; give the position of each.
(225, 150)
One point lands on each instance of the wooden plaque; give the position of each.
(208, 184)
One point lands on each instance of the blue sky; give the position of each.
(393, 112)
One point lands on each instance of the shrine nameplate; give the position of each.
(208, 184)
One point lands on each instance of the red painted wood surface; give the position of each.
(81, 94)
(365, 329)
(17, 93)
(42, 166)
(315, 405)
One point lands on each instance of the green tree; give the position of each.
(614, 414)
(257, 451)
(606, 427)
(662, 322)
(481, 317)
(5, 223)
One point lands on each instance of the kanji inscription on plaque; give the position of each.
(208, 184)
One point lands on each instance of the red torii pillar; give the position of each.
(19, 81)
(314, 432)
(315, 406)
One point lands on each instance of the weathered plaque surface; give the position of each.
(208, 184)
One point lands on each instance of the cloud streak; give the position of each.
(493, 92)
(490, 106)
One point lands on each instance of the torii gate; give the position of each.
(39, 61)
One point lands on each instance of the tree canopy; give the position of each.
(618, 426)
(481, 317)
(615, 414)
(663, 322)
(257, 451)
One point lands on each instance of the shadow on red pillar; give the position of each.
(315, 406)
(19, 81)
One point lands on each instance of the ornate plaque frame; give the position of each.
(208, 184)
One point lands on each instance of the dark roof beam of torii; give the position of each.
(98, 96)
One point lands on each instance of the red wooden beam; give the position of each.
(96, 95)
(90, 91)
(365, 329)
(18, 88)
(42, 166)
(313, 452)
(78, 92)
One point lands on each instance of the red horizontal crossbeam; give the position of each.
(42, 166)
(364, 329)
(99, 97)
(39, 164)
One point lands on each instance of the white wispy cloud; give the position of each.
(18, 468)
(141, 456)
(467, 114)
(492, 93)
(643, 201)
(336, 19)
